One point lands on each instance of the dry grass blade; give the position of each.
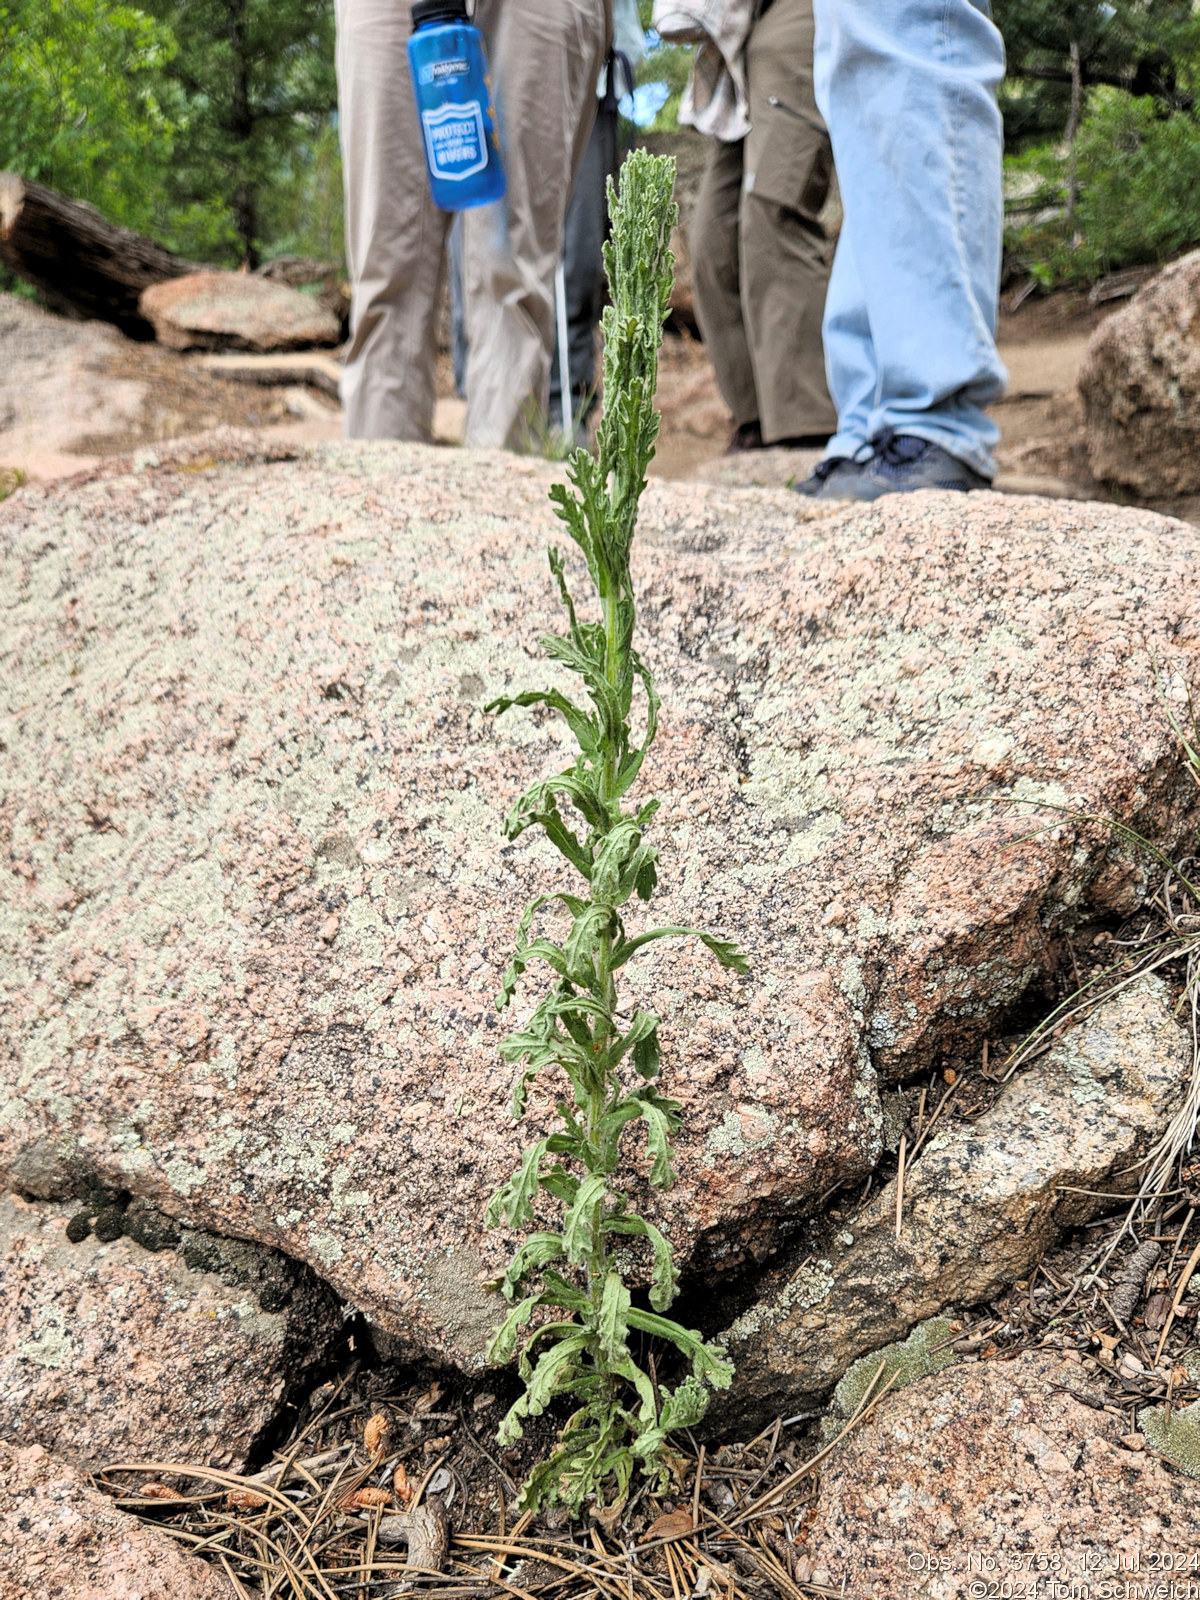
(280, 1471)
(670, 1559)
(180, 1469)
(282, 1565)
(238, 1586)
(531, 1553)
(929, 1126)
(900, 1184)
(1179, 1238)
(1185, 1278)
(1177, 904)
(865, 1406)
(776, 1568)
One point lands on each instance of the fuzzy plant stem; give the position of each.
(566, 1281)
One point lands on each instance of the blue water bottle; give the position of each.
(454, 103)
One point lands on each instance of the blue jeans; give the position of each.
(908, 90)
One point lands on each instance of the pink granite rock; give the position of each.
(983, 1201)
(61, 1539)
(260, 899)
(112, 1352)
(1140, 383)
(996, 1473)
(235, 311)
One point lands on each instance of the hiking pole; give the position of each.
(564, 360)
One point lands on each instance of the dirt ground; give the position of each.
(71, 393)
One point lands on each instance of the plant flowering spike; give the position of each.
(566, 1282)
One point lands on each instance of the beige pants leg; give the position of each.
(545, 57)
(395, 235)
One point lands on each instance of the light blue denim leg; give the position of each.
(849, 354)
(908, 89)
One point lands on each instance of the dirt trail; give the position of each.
(72, 392)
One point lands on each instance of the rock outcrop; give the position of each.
(109, 1351)
(260, 898)
(1140, 384)
(63, 1540)
(235, 311)
(996, 1473)
(982, 1203)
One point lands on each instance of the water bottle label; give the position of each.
(438, 71)
(455, 140)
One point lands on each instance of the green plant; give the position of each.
(257, 80)
(579, 1029)
(1055, 48)
(85, 105)
(1137, 172)
(11, 479)
(208, 125)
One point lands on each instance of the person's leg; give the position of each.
(584, 232)
(458, 308)
(716, 279)
(849, 355)
(395, 235)
(909, 92)
(784, 254)
(545, 58)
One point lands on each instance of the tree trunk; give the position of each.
(241, 126)
(1072, 131)
(83, 265)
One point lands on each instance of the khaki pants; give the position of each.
(761, 257)
(544, 57)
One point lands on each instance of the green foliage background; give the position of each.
(86, 103)
(1120, 188)
(211, 124)
(208, 124)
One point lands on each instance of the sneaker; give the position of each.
(902, 463)
(831, 479)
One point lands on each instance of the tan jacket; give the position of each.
(715, 101)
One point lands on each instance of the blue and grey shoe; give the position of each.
(902, 463)
(831, 479)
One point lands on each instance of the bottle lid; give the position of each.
(424, 11)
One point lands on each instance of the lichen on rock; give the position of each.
(1176, 1437)
(111, 1350)
(928, 1349)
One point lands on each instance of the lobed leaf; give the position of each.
(662, 1120)
(582, 948)
(578, 1232)
(515, 1199)
(709, 1361)
(726, 952)
(664, 1283)
(613, 1323)
(533, 1253)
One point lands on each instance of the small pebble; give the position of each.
(109, 1224)
(79, 1227)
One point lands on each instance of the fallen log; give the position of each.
(83, 265)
